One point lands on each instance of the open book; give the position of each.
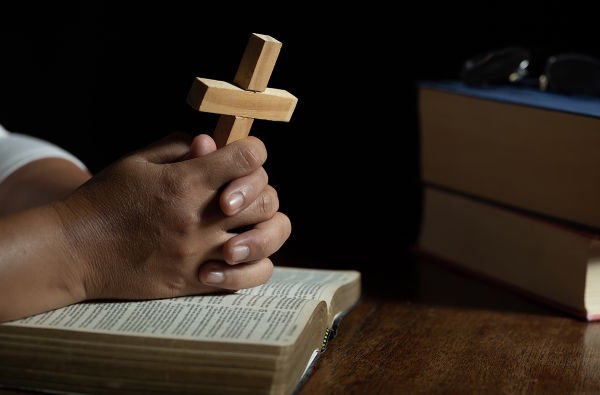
(259, 340)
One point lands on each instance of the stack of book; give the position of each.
(512, 189)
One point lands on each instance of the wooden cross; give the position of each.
(250, 99)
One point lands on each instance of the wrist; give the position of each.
(38, 271)
(72, 243)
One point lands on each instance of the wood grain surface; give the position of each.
(455, 334)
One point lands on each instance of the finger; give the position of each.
(202, 145)
(260, 209)
(245, 275)
(262, 241)
(235, 160)
(167, 150)
(243, 191)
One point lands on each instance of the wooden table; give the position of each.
(427, 329)
(444, 332)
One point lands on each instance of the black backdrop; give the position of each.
(101, 79)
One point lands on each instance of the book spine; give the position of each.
(459, 268)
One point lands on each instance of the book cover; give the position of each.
(517, 146)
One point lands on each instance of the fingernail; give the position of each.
(214, 277)
(235, 200)
(239, 253)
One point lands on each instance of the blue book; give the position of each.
(515, 146)
(526, 96)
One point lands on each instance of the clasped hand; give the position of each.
(163, 221)
(176, 218)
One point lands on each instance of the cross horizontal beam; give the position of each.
(221, 97)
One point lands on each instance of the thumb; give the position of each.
(202, 145)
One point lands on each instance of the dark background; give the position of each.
(102, 79)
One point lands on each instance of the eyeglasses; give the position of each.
(570, 73)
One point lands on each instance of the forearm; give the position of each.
(40, 182)
(37, 271)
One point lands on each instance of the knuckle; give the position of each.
(262, 244)
(212, 179)
(179, 252)
(265, 175)
(251, 155)
(248, 158)
(185, 221)
(272, 190)
(269, 202)
(175, 183)
(286, 225)
(175, 286)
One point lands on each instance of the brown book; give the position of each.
(551, 263)
(256, 341)
(532, 150)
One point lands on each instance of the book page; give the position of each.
(239, 318)
(312, 284)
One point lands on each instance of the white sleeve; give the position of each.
(17, 150)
